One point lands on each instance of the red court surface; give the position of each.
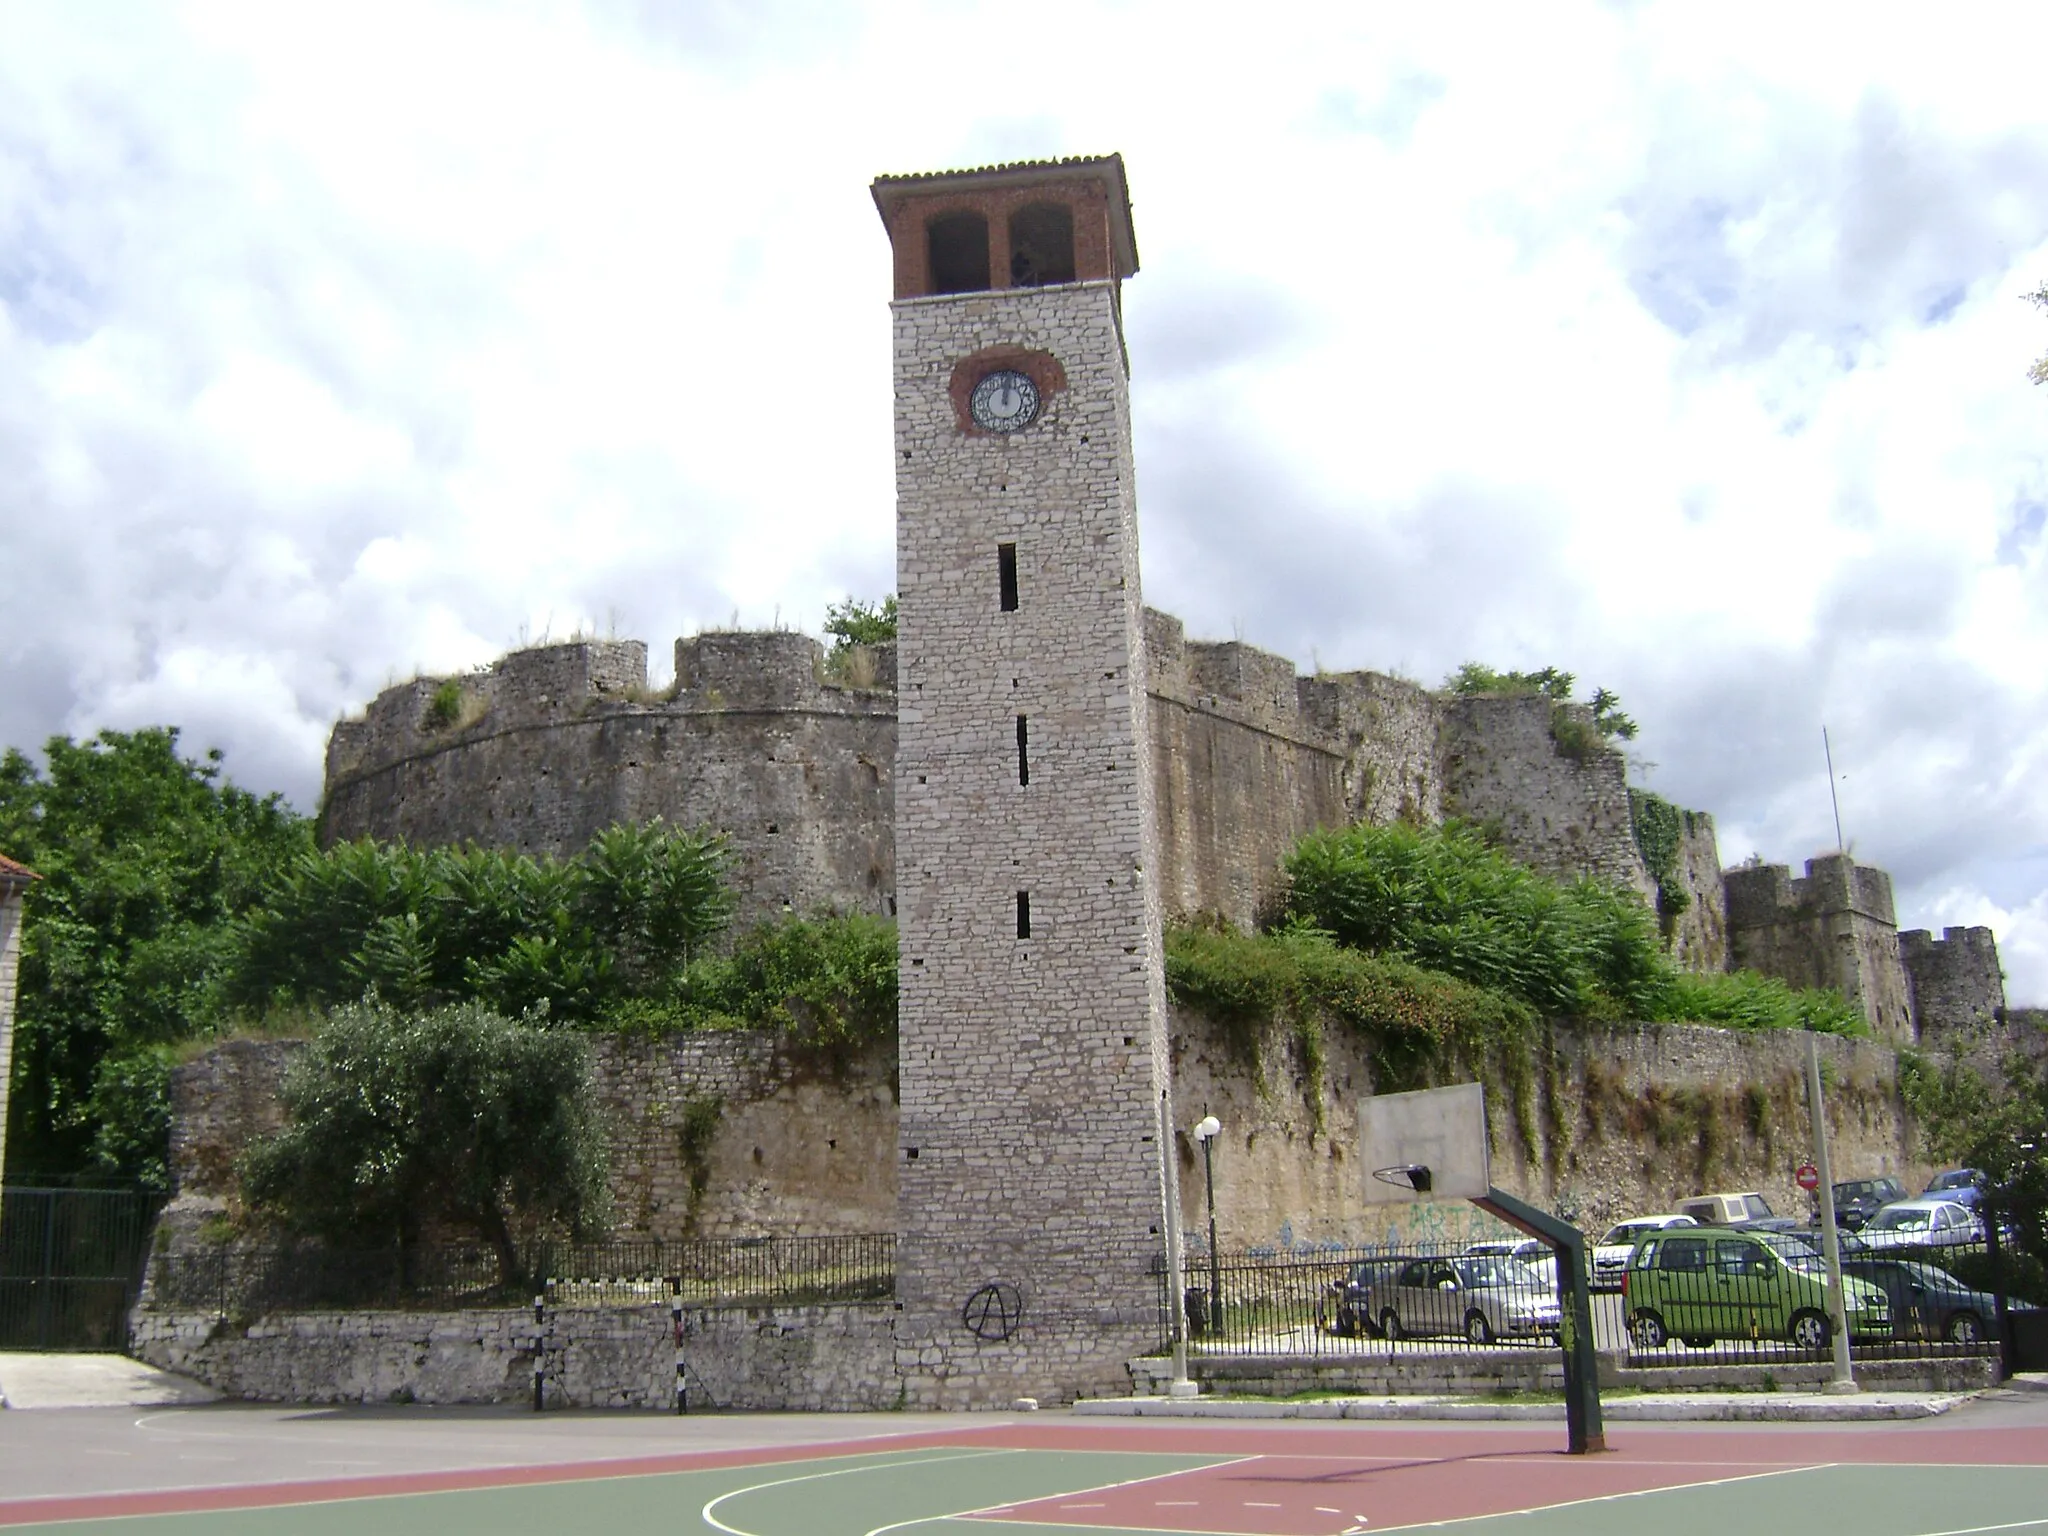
(1230, 1479)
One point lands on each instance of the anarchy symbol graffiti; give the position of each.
(993, 1312)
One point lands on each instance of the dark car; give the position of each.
(1927, 1301)
(1965, 1186)
(1857, 1200)
(1344, 1308)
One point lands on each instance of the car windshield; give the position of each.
(1901, 1219)
(1627, 1232)
(1485, 1271)
(1962, 1178)
(1935, 1279)
(1796, 1252)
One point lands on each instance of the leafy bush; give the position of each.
(1446, 900)
(397, 1121)
(427, 926)
(854, 622)
(826, 981)
(1422, 1021)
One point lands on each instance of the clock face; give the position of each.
(1005, 401)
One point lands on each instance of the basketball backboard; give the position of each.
(1429, 1145)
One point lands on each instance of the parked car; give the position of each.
(1728, 1210)
(1344, 1308)
(1923, 1223)
(1531, 1253)
(1610, 1254)
(1719, 1283)
(1928, 1302)
(1965, 1186)
(1480, 1298)
(1857, 1200)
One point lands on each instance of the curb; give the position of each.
(1691, 1407)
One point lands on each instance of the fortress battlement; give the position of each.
(1760, 895)
(1957, 984)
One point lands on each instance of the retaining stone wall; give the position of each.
(10, 957)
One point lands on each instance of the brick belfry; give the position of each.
(1033, 1052)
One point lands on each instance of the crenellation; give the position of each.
(1956, 982)
(1832, 928)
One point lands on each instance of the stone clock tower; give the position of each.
(1033, 1044)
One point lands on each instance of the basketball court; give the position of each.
(1051, 1474)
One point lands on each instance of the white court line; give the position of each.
(814, 1477)
(1975, 1530)
(1609, 1498)
(1129, 1482)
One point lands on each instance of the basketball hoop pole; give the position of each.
(1584, 1430)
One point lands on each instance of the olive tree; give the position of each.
(455, 1117)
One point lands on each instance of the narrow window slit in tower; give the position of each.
(1006, 575)
(1023, 751)
(1023, 914)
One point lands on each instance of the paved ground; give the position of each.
(232, 1468)
(91, 1381)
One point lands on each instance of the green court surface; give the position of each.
(997, 1490)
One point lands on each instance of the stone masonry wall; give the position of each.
(1834, 928)
(1626, 1119)
(612, 1357)
(1032, 1057)
(800, 1145)
(553, 745)
(1955, 980)
(10, 959)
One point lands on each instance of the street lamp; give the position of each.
(1206, 1133)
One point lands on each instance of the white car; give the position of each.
(1922, 1223)
(1532, 1255)
(1611, 1253)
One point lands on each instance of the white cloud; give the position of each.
(338, 344)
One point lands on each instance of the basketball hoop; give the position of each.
(1413, 1176)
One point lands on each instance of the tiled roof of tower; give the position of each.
(891, 190)
(12, 873)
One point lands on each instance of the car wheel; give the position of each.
(1809, 1330)
(1477, 1329)
(1646, 1331)
(1965, 1328)
(1390, 1326)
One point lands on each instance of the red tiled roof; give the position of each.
(12, 873)
(890, 191)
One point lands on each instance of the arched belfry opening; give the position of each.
(958, 252)
(1041, 245)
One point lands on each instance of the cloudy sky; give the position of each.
(1682, 346)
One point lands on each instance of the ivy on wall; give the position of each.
(1660, 829)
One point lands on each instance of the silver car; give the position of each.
(1480, 1299)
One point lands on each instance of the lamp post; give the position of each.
(1206, 1133)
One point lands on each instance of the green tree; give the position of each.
(1999, 1125)
(854, 622)
(458, 1116)
(147, 857)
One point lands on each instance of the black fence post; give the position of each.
(539, 1354)
(675, 1309)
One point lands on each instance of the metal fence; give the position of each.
(712, 1272)
(69, 1262)
(1757, 1303)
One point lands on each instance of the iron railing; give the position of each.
(1422, 1299)
(69, 1262)
(236, 1280)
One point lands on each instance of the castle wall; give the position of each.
(1955, 980)
(1833, 928)
(554, 745)
(1563, 814)
(1699, 939)
(1626, 1119)
(716, 1133)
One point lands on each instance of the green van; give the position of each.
(1700, 1284)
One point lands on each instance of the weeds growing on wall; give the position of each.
(1659, 828)
(1425, 1027)
(1576, 736)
